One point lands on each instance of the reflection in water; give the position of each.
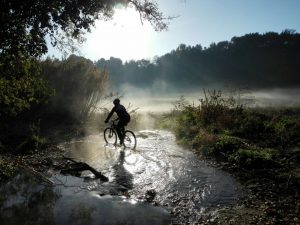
(82, 215)
(93, 151)
(122, 176)
(26, 200)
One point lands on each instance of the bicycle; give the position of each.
(111, 137)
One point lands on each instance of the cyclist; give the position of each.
(123, 117)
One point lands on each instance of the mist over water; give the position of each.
(278, 97)
(159, 102)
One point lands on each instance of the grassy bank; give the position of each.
(260, 146)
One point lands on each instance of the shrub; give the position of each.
(227, 144)
(251, 126)
(254, 157)
(7, 170)
(221, 126)
(287, 131)
(21, 86)
(204, 142)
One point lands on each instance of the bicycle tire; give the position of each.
(110, 136)
(129, 140)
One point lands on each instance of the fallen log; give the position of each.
(80, 166)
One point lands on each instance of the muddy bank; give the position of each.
(271, 198)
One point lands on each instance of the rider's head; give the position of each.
(116, 101)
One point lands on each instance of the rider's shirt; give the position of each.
(121, 112)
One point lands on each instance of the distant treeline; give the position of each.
(253, 60)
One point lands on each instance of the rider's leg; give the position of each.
(120, 131)
(122, 128)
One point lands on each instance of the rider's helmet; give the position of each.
(116, 101)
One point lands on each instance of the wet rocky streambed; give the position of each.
(158, 183)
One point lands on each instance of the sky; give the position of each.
(196, 22)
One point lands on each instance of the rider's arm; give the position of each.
(110, 114)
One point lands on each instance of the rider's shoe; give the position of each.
(119, 145)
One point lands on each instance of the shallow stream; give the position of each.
(158, 183)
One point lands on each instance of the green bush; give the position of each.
(204, 139)
(251, 126)
(221, 126)
(21, 86)
(216, 145)
(187, 125)
(254, 157)
(218, 110)
(227, 144)
(249, 138)
(204, 143)
(287, 131)
(7, 171)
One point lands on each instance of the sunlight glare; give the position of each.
(128, 36)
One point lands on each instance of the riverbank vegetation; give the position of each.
(261, 146)
(71, 90)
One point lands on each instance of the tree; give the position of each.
(25, 25)
(254, 60)
(79, 86)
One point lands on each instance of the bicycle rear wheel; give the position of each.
(110, 136)
(129, 139)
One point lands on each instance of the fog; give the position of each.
(277, 97)
(149, 101)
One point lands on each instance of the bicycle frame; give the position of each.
(113, 126)
(113, 131)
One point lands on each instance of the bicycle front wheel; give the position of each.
(129, 139)
(110, 136)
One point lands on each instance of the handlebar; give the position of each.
(112, 122)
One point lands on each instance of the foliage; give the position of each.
(25, 25)
(227, 144)
(222, 115)
(78, 84)
(254, 157)
(22, 92)
(21, 86)
(269, 130)
(35, 136)
(7, 171)
(64, 93)
(215, 114)
(217, 111)
(221, 127)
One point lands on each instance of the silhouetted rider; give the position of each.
(123, 117)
